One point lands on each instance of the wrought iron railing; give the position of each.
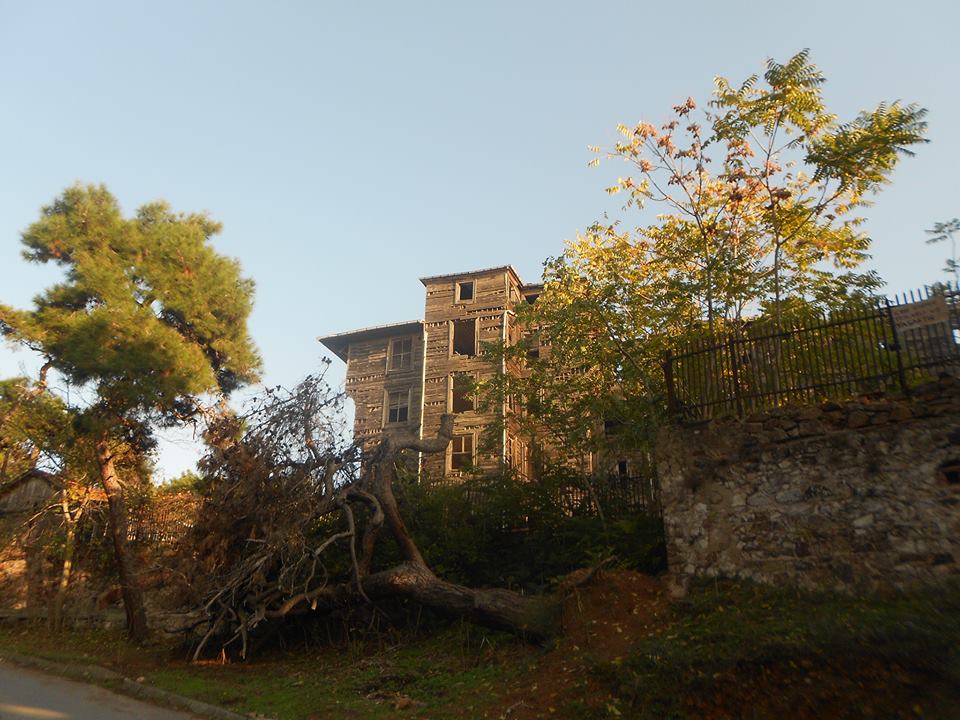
(893, 345)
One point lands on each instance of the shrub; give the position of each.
(499, 531)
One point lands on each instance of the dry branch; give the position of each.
(287, 493)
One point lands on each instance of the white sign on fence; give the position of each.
(922, 314)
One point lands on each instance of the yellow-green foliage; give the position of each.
(148, 313)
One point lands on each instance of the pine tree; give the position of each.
(148, 318)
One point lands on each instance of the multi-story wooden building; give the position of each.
(403, 377)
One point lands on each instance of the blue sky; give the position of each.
(350, 148)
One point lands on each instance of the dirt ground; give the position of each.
(601, 620)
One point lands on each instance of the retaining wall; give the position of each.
(843, 496)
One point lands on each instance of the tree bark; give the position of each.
(248, 596)
(386, 466)
(533, 617)
(69, 547)
(126, 566)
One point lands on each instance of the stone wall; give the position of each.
(846, 496)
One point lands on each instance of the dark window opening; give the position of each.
(612, 427)
(465, 337)
(532, 298)
(462, 393)
(465, 291)
(949, 473)
(622, 469)
(461, 453)
(401, 354)
(398, 407)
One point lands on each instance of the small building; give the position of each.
(403, 377)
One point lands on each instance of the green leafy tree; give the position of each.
(762, 191)
(38, 443)
(592, 357)
(148, 318)
(760, 197)
(186, 482)
(942, 232)
(34, 427)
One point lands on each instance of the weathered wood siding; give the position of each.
(430, 377)
(368, 381)
(494, 293)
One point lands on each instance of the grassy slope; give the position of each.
(454, 672)
(726, 651)
(737, 650)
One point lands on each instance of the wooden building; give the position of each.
(403, 377)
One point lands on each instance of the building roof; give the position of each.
(450, 276)
(339, 343)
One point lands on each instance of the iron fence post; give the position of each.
(672, 409)
(735, 374)
(901, 373)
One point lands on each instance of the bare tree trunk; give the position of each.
(126, 567)
(388, 501)
(534, 617)
(69, 547)
(33, 555)
(385, 467)
(255, 589)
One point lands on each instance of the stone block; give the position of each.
(775, 435)
(900, 413)
(810, 427)
(847, 509)
(809, 413)
(858, 419)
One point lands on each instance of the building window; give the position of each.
(612, 428)
(397, 407)
(465, 337)
(462, 386)
(517, 456)
(464, 292)
(401, 354)
(461, 452)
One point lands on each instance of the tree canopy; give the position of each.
(148, 312)
(762, 191)
(32, 424)
(761, 196)
(147, 318)
(941, 232)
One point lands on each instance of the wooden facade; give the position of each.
(404, 377)
(384, 377)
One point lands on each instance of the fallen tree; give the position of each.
(286, 494)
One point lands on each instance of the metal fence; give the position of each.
(164, 520)
(893, 345)
(617, 495)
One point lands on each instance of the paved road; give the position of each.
(30, 695)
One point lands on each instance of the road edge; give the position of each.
(125, 686)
